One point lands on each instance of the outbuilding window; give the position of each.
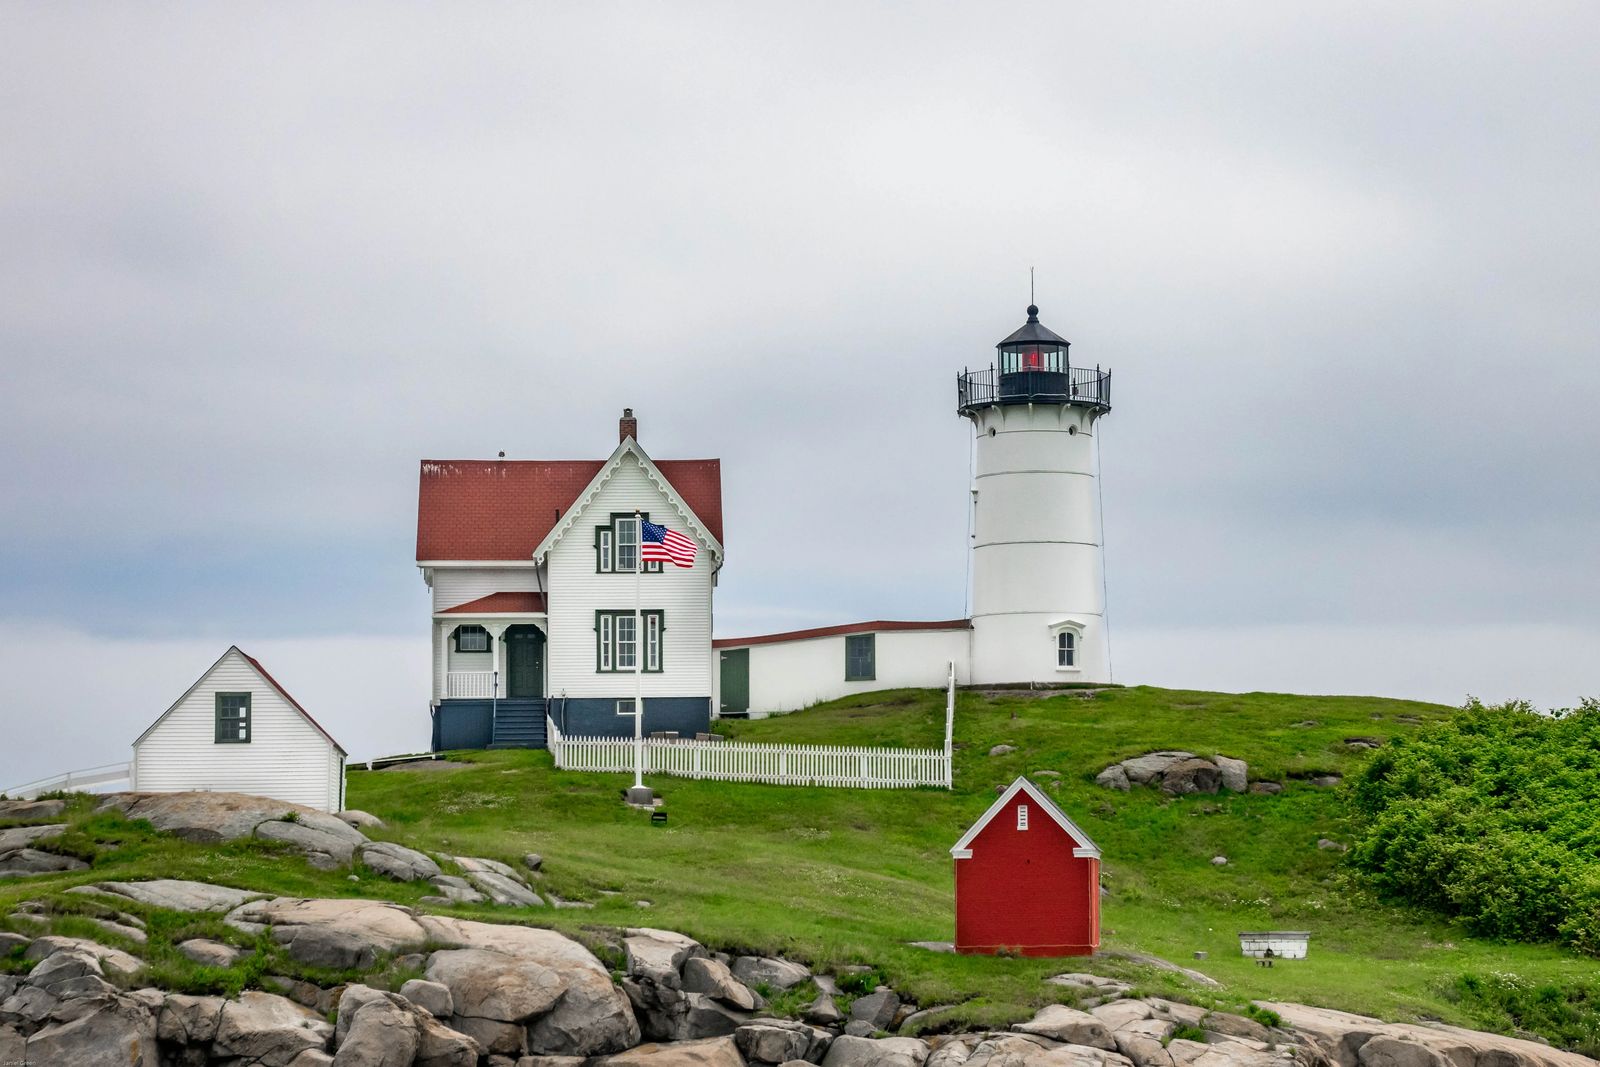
(617, 641)
(860, 658)
(1022, 816)
(233, 718)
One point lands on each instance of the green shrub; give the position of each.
(1264, 1016)
(1186, 1032)
(1488, 817)
(1568, 1015)
(859, 983)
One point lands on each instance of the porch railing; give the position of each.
(469, 684)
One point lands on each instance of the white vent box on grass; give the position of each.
(1280, 944)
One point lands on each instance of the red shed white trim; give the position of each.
(1085, 848)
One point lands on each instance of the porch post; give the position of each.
(441, 663)
(495, 632)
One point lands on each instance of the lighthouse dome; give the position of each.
(1034, 332)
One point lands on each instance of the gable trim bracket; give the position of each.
(628, 447)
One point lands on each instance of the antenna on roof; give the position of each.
(1031, 300)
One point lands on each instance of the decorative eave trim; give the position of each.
(628, 447)
(1086, 848)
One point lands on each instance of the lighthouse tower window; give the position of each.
(1066, 649)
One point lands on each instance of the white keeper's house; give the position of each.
(531, 567)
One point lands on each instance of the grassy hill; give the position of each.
(838, 876)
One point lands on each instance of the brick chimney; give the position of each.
(627, 426)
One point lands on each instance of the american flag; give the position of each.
(662, 545)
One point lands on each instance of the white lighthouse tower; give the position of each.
(1038, 592)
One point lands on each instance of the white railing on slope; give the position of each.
(738, 761)
(950, 728)
(80, 780)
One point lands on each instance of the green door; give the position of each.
(524, 662)
(736, 681)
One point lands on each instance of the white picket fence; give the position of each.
(741, 761)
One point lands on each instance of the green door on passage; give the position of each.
(736, 681)
(524, 662)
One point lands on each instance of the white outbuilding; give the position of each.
(238, 731)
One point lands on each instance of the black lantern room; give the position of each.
(1033, 368)
(1033, 360)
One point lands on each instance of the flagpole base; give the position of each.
(641, 794)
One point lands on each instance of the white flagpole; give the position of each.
(638, 653)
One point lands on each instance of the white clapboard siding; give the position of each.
(793, 674)
(287, 758)
(453, 586)
(577, 592)
(737, 761)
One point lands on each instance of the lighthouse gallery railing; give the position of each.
(1075, 385)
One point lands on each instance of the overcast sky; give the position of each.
(256, 262)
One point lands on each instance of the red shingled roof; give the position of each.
(471, 509)
(881, 626)
(500, 603)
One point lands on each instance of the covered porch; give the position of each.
(492, 648)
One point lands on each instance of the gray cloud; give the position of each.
(256, 263)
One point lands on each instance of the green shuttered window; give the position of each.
(616, 546)
(616, 644)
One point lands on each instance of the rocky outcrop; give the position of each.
(1177, 772)
(396, 861)
(18, 810)
(22, 836)
(500, 882)
(325, 841)
(765, 970)
(711, 1052)
(499, 995)
(1069, 1026)
(23, 862)
(879, 1052)
(206, 818)
(178, 895)
(1359, 1041)
(712, 977)
(18, 859)
(209, 953)
(328, 841)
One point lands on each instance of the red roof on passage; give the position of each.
(471, 509)
(834, 631)
(500, 603)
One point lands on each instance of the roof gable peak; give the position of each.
(628, 447)
(1083, 845)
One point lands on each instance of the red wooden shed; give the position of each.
(1027, 880)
